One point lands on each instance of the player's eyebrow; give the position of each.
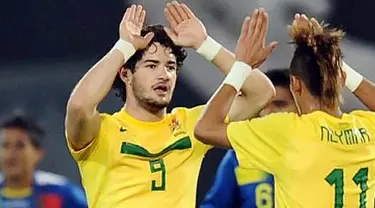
(152, 61)
(158, 62)
(171, 62)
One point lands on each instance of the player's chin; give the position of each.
(161, 102)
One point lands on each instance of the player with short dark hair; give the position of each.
(320, 156)
(142, 156)
(21, 184)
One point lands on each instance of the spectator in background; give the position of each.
(21, 185)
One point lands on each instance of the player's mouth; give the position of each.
(161, 89)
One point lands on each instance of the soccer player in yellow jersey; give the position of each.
(143, 156)
(320, 157)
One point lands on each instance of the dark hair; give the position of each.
(279, 77)
(317, 61)
(35, 132)
(160, 36)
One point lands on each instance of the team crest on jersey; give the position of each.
(175, 127)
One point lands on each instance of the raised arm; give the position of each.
(188, 31)
(211, 127)
(362, 88)
(364, 93)
(82, 120)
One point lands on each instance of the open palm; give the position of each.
(131, 27)
(134, 29)
(186, 29)
(251, 46)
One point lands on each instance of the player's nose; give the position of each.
(164, 74)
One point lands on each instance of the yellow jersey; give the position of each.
(143, 164)
(317, 160)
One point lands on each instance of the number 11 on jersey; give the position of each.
(336, 178)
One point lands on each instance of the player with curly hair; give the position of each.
(142, 156)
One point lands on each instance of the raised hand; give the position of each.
(251, 46)
(131, 26)
(185, 28)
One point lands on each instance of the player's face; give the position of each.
(283, 102)
(155, 76)
(17, 156)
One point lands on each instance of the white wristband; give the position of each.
(353, 78)
(237, 75)
(209, 48)
(127, 49)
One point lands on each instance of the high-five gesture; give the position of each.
(251, 46)
(185, 28)
(131, 26)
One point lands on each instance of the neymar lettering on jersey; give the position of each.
(349, 136)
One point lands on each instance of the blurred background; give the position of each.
(47, 46)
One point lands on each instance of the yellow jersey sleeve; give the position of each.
(98, 146)
(262, 142)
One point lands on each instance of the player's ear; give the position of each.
(39, 155)
(343, 78)
(295, 85)
(125, 75)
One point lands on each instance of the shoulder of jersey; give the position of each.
(46, 178)
(363, 113)
(179, 110)
(280, 115)
(184, 111)
(112, 118)
(107, 115)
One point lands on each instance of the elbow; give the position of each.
(269, 92)
(75, 105)
(200, 132)
(78, 107)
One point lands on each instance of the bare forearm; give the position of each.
(97, 82)
(224, 60)
(365, 93)
(256, 92)
(362, 88)
(211, 125)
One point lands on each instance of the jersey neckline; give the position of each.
(126, 116)
(344, 116)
